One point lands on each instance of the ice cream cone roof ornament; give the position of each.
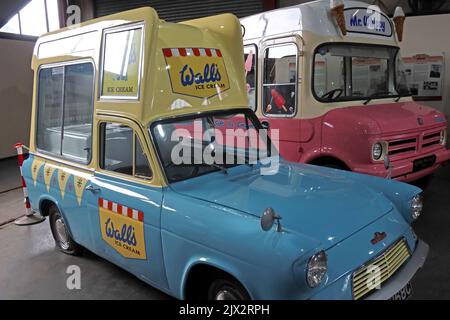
(399, 21)
(337, 11)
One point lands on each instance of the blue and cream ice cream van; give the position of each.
(143, 150)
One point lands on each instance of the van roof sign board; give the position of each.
(367, 21)
(196, 72)
(362, 20)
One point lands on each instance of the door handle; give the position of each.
(265, 124)
(92, 189)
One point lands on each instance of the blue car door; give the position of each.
(125, 208)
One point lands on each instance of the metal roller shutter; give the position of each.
(179, 10)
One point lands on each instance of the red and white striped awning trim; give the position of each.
(192, 52)
(120, 209)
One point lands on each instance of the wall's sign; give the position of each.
(367, 21)
(123, 229)
(197, 72)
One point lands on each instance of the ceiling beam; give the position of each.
(9, 8)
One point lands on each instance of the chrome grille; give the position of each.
(388, 263)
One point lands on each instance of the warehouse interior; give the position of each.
(29, 260)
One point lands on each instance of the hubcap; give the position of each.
(225, 295)
(62, 233)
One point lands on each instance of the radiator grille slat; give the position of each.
(388, 263)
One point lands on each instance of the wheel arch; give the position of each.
(45, 202)
(323, 160)
(205, 272)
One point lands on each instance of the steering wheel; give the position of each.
(330, 94)
(193, 171)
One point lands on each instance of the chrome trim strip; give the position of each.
(61, 161)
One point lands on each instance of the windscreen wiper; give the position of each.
(376, 94)
(215, 165)
(402, 96)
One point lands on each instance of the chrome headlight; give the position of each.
(378, 150)
(416, 206)
(316, 269)
(443, 137)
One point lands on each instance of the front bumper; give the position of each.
(404, 275)
(402, 170)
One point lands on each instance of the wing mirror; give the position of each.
(268, 218)
(265, 124)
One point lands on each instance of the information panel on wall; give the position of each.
(425, 76)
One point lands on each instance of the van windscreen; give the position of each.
(356, 72)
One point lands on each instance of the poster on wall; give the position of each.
(425, 76)
(320, 79)
(369, 76)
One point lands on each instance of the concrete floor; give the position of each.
(32, 268)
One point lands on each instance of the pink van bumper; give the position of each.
(403, 170)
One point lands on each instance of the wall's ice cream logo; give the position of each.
(35, 167)
(79, 183)
(122, 228)
(197, 72)
(63, 177)
(48, 174)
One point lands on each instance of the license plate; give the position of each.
(423, 163)
(404, 293)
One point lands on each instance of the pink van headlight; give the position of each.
(379, 150)
(443, 139)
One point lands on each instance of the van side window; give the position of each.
(121, 151)
(251, 58)
(65, 108)
(122, 63)
(141, 167)
(280, 80)
(78, 109)
(50, 109)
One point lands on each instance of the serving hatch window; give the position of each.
(65, 111)
(122, 63)
(279, 80)
(353, 72)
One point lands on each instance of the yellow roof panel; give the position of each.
(186, 67)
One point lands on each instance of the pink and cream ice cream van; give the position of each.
(329, 76)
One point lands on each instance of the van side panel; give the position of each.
(288, 133)
(63, 186)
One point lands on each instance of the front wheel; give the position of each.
(227, 289)
(334, 166)
(61, 234)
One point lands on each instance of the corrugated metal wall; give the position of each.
(178, 10)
